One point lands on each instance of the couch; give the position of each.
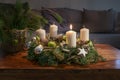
(104, 25)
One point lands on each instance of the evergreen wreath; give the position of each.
(59, 53)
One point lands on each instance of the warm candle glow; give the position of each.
(70, 26)
(71, 37)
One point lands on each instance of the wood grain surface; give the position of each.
(17, 67)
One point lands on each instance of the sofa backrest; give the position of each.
(117, 22)
(98, 21)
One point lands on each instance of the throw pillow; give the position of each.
(62, 27)
(99, 20)
(71, 16)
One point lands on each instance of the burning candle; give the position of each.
(71, 37)
(53, 30)
(84, 34)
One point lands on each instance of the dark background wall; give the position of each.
(75, 4)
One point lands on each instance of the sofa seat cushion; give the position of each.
(106, 38)
(99, 21)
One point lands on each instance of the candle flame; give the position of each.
(70, 26)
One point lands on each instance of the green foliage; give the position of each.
(58, 54)
(47, 58)
(55, 56)
(31, 54)
(1, 30)
(24, 18)
(18, 16)
(56, 15)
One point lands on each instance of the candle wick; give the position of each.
(83, 26)
(53, 22)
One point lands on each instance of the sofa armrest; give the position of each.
(112, 39)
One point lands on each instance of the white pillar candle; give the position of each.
(41, 33)
(84, 34)
(53, 30)
(71, 38)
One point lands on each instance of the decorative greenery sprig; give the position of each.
(55, 15)
(18, 16)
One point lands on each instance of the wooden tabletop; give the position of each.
(19, 61)
(17, 67)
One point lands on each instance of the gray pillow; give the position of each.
(71, 16)
(99, 20)
(62, 27)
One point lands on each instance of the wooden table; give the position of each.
(17, 67)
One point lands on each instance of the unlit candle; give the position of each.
(53, 30)
(84, 34)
